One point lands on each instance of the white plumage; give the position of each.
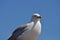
(29, 31)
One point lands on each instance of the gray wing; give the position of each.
(17, 33)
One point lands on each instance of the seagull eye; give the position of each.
(35, 16)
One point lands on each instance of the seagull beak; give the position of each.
(39, 17)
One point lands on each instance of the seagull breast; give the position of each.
(31, 34)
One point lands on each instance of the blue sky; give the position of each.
(14, 13)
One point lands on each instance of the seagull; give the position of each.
(29, 31)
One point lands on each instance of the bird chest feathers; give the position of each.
(32, 34)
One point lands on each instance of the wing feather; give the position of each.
(17, 32)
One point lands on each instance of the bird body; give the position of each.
(31, 34)
(29, 31)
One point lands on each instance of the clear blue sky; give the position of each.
(14, 13)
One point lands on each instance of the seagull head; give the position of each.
(36, 17)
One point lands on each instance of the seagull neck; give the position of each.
(34, 21)
(34, 25)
